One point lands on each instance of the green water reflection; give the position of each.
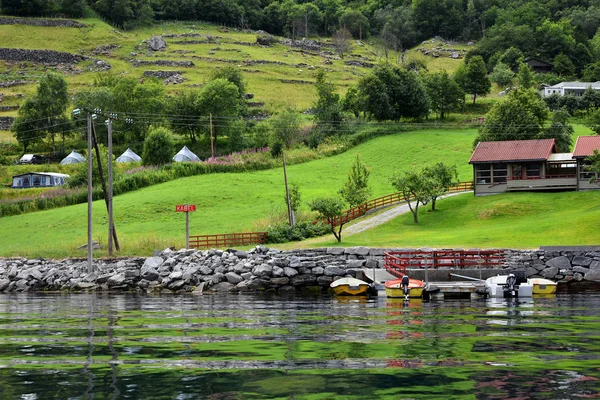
(241, 346)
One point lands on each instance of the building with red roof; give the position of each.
(524, 165)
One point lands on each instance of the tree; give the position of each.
(560, 131)
(327, 109)
(591, 73)
(442, 177)
(592, 122)
(554, 38)
(342, 41)
(184, 114)
(502, 75)
(525, 76)
(352, 101)
(331, 210)
(520, 115)
(233, 75)
(158, 147)
(397, 27)
(45, 112)
(285, 127)
(444, 93)
(355, 22)
(563, 66)
(415, 189)
(356, 190)
(473, 78)
(511, 56)
(219, 98)
(594, 166)
(295, 197)
(373, 97)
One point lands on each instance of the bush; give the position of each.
(302, 230)
(158, 147)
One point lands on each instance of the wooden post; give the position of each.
(103, 182)
(287, 191)
(187, 229)
(89, 176)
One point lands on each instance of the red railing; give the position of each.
(523, 178)
(396, 262)
(228, 239)
(386, 200)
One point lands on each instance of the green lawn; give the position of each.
(226, 203)
(511, 220)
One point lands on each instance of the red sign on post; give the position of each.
(185, 208)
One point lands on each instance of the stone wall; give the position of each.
(260, 269)
(41, 22)
(40, 56)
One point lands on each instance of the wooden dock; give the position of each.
(447, 289)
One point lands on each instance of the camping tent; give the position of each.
(129, 156)
(73, 158)
(185, 155)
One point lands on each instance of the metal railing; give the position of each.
(228, 239)
(397, 262)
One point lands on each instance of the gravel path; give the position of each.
(384, 217)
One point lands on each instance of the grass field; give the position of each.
(227, 203)
(511, 220)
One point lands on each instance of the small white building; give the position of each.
(570, 88)
(38, 180)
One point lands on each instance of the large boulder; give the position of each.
(561, 262)
(157, 43)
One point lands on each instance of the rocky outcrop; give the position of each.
(41, 22)
(40, 56)
(165, 63)
(14, 83)
(161, 74)
(5, 123)
(157, 43)
(260, 269)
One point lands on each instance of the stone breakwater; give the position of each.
(260, 269)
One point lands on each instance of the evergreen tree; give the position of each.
(525, 76)
(356, 190)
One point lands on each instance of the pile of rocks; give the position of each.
(260, 269)
(164, 63)
(5, 123)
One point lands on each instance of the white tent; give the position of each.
(73, 158)
(185, 155)
(129, 156)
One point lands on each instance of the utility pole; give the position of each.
(212, 147)
(89, 244)
(110, 189)
(287, 191)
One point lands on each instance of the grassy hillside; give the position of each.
(511, 220)
(146, 220)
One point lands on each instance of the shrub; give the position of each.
(158, 147)
(302, 230)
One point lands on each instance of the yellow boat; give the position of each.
(349, 287)
(394, 288)
(542, 286)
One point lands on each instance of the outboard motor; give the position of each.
(511, 282)
(404, 285)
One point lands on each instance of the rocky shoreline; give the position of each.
(259, 270)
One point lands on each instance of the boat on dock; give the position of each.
(395, 288)
(542, 285)
(501, 286)
(349, 287)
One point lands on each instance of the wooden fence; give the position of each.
(386, 200)
(397, 262)
(228, 239)
(248, 238)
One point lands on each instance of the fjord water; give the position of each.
(100, 346)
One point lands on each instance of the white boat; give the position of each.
(501, 286)
(349, 287)
(542, 286)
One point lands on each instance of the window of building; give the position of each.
(533, 170)
(500, 171)
(483, 173)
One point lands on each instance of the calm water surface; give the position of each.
(84, 346)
